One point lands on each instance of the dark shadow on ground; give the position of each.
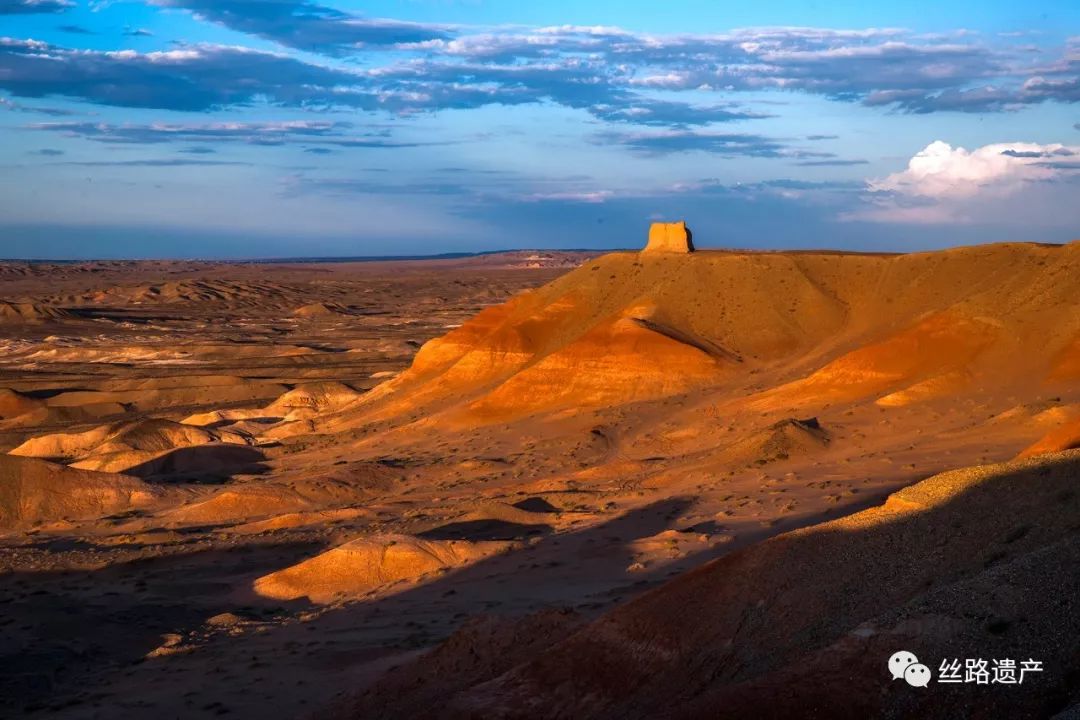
(62, 632)
(485, 530)
(202, 463)
(804, 625)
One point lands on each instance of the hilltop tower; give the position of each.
(670, 238)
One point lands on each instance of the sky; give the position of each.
(317, 128)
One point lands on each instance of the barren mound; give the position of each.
(28, 312)
(360, 566)
(298, 519)
(139, 447)
(1064, 437)
(341, 489)
(207, 462)
(312, 398)
(783, 440)
(233, 505)
(504, 512)
(627, 327)
(193, 292)
(319, 310)
(34, 491)
(64, 447)
(13, 404)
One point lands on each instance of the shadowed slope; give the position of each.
(802, 624)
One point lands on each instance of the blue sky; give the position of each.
(255, 128)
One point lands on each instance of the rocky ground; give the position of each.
(244, 490)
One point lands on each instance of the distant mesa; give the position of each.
(670, 238)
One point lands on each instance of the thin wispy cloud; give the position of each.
(72, 29)
(838, 162)
(152, 163)
(29, 7)
(334, 133)
(717, 143)
(7, 104)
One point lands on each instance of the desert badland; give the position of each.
(358, 360)
(643, 484)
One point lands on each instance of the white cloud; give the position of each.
(997, 183)
(942, 171)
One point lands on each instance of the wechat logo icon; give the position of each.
(904, 664)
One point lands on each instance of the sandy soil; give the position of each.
(245, 490)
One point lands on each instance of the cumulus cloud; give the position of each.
(943, 184)
(942, 171)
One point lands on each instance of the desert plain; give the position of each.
(642, 484)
